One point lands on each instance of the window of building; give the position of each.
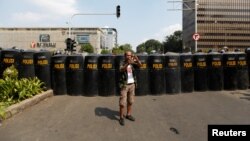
(82, 39)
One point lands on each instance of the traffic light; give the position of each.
(68, 44)
(73, 45)
(118, 11)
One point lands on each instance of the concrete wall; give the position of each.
(30, 38)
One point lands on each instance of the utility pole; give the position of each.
(195, 12)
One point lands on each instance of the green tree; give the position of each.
(117, 51)
(173, 43)
(141, 48)
(87, 48)
(105, 51)
(126, 47)
(153, 44)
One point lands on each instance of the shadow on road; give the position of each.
(247, 96)
(106, 112)
(244, 95)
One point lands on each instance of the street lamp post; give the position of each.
(188, 5)
(195, 9)
(77, 14)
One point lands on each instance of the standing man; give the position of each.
(127, 85)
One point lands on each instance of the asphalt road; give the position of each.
(180, 117)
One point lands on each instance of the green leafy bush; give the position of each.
(10, 72)
(3, 106)
(27, 88)
(13, 90)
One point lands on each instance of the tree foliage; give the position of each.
(141, 48)
(173, 43)
(105, 51)
(87, 48)
(122, 48)
(126, 47)
(149, 46)
(117, 51)
(153, 44)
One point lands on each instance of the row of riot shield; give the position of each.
(174, 73)
(214, 72)
(28, 63)
(99, 74)
(90, 76)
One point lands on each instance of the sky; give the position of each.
(140, 20)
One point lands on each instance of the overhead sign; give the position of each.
(196, 36)
(45, 41)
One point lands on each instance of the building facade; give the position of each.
(53, 39)
(220, 23)
(110, 38)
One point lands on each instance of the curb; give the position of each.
(19, 107)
